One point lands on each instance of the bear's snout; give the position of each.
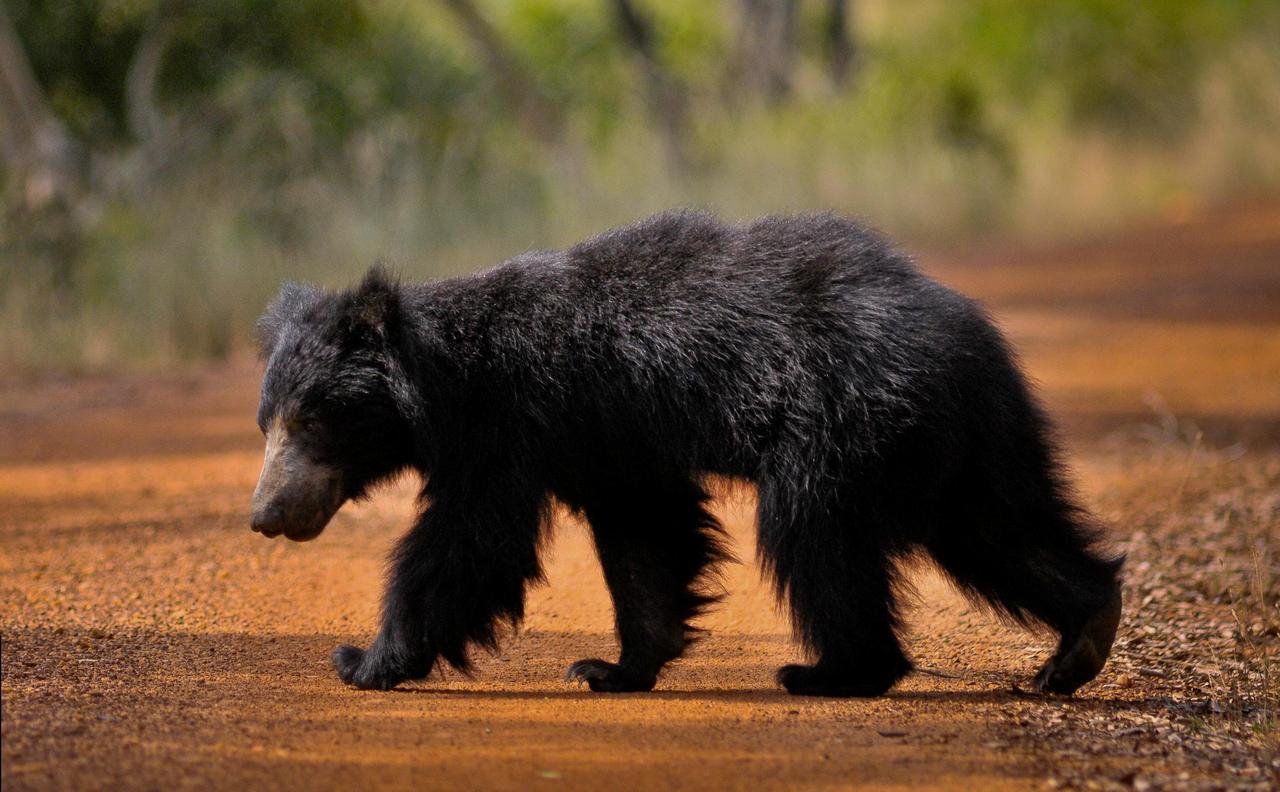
(295, 496)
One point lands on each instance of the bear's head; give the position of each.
(333, 404)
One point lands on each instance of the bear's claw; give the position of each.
(355, 667)
(809, 680)
(1079, 660)
(605, 677)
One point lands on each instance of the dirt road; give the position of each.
(151, 641)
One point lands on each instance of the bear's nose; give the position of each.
(267, 520)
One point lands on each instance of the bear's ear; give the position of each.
(373, 307)
(286, 308)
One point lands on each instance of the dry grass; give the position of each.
(182, 270)
(1192, 685)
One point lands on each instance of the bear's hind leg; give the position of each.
(838, 578)
(1038, 565)
(654, 544)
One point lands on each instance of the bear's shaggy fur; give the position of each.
(879, 414)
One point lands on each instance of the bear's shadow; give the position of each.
(149, 655)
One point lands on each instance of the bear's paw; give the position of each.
(605, 677)
(359, 669)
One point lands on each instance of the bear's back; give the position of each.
(677, 248)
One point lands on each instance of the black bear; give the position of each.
(878, 413)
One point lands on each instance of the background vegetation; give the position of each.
(167, 162)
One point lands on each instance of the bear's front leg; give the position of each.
(655, 543)
(401, 651)
(460, 571)
(380, 667)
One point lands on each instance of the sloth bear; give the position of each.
(878, 413)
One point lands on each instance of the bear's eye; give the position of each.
(306, 425)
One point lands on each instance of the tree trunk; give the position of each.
(38, 152)
(668, 97)
(841, 49)
(43, 164)
(539, 117)
(766, 47)
(147, 124)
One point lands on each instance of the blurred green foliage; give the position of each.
(306, 139)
